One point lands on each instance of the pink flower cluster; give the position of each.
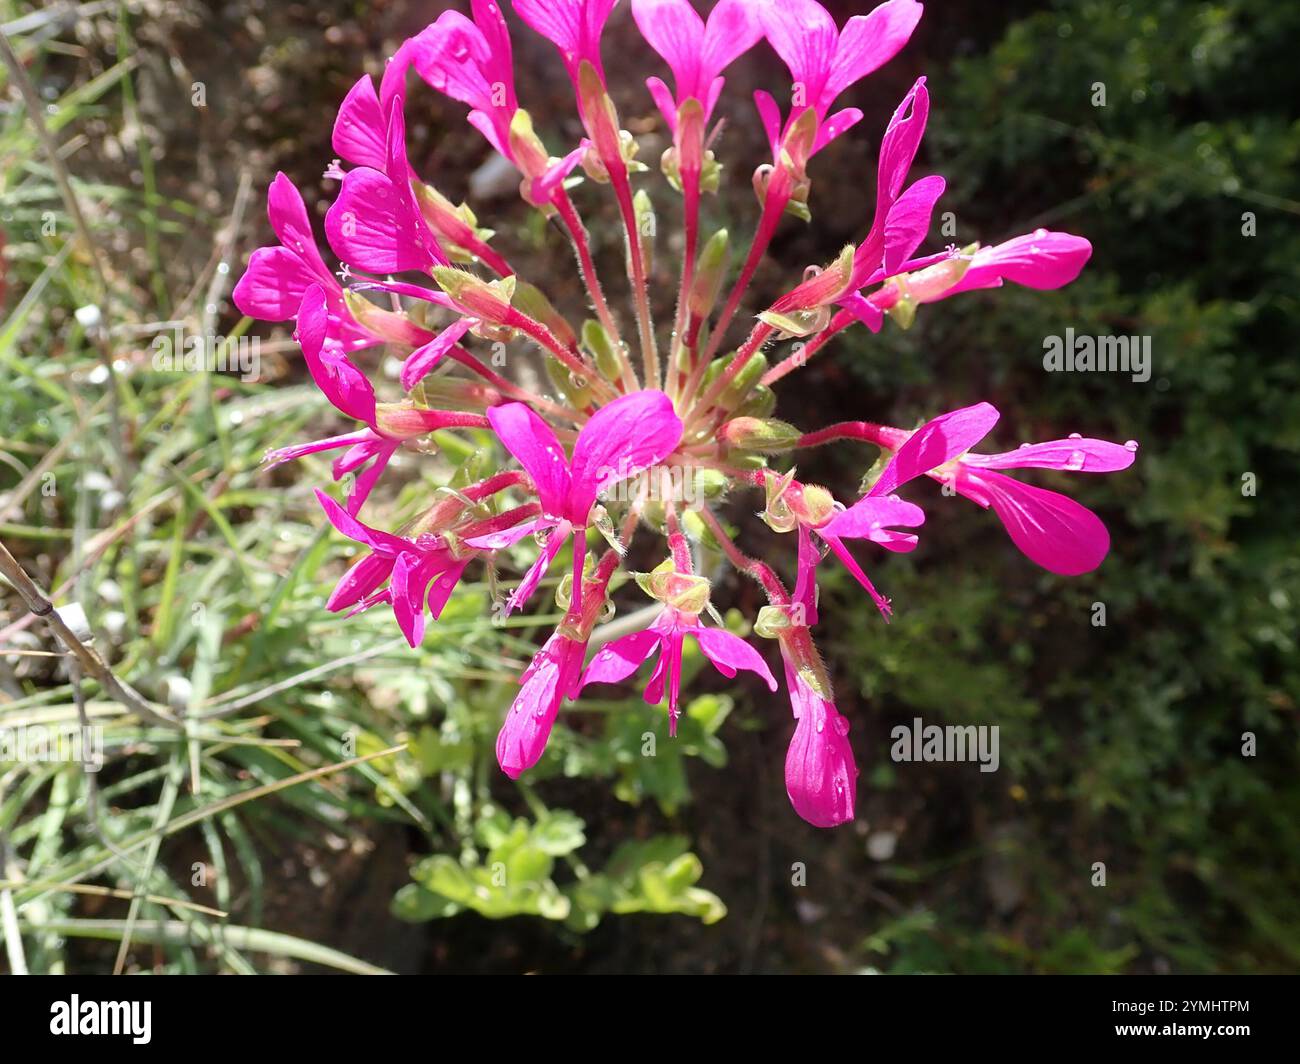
(613, 448)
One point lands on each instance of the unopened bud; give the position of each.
(575, 390)
(710, 271)
(760, 404)
(644, 213)
(744, 382)
(596, 341)
(764, 436)
(530, 300)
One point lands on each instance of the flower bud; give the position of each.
(754, 434)
(575, 390)
(744, 382)
(644, 212)
(596, 341)
(710, 271)
(530, 300)
(761, 403)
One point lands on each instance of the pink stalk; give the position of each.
(751, 567)
(777, 196)
(636, 270)
(586, 264)
(868, 431)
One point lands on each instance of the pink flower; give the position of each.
(552, 676)
(824, 61)
(616, 661)
(277, 277)
(471, 62)
(1050, 529)
(870, 518)
(821, 776)
(623, 438)
(697, 52)
(352, 394)
(376, 223)
(418, 573)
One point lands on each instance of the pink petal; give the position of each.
(769, 112)
(342, 383)
(676, 32)
(733, 29)
(573, 26)
(545, 186)
(527, 726)
(935, 443)
(804, 36)
(618, 660)
(422, 361)
(622, 438)
(452, 54)
(361, 580)
(369, 227)
(842, 553)
(864, 310)
(409, 582)
(532, 441)
(902, 138)
(868, 517)
(1076, 454)
(443, 586)
(821, 776)
(273, 284)
(1041, 259)
(288, 217)
(868, 42)
(805, 587)
(510, 536)
(1050, 529)
(382, 542)
(360, 132)
(663, 98)
(835, 126)
(908, 221)
(730, 653)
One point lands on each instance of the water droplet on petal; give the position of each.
(1076, 460)
(1076, 435)
(1131, 445)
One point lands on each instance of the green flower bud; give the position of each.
(754, 434)
(710, 271)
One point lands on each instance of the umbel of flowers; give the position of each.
(636, 414)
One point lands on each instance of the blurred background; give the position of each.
(140, 497)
